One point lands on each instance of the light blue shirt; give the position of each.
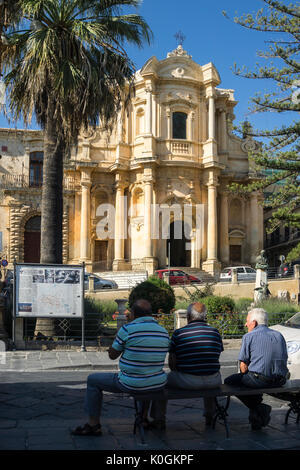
(144, 345)
(264, 351)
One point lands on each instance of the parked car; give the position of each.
(290, 330)
(244, 273)
(176, 276)
(99, 282)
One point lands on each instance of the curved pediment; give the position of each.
(182, 68)
(179, 65)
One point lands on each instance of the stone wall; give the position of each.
(236, 291)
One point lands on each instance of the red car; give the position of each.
(177, 276)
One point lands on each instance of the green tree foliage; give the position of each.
(277, 162)
(158, 292)
(66, 65)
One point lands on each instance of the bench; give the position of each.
(289, 392)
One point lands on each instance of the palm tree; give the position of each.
(68, 67)
(10, 15)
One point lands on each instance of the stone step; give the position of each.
(124, 279)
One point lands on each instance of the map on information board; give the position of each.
(49, 291)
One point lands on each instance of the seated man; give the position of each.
(263, 363)
(194, 361)
(143, 345)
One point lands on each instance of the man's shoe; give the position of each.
(265, 413)
(208, 420)
(255, 419)
(157, 424)
(260, 416)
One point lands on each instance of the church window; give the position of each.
(36, 169)
(139, 129)
(179, 125)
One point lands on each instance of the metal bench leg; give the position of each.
(221, 413)
(294, 406)
(138, 422)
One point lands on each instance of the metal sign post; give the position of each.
(14, 309)
(83, 348)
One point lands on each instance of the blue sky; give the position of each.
(210, 37)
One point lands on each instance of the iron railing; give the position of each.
(8, 181)
(99, 326)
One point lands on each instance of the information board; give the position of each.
(49, 290)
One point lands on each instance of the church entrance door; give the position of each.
(177, 248)
(32, 240)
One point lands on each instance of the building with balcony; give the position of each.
(172, 149)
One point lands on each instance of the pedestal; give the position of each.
(260, 282)
(150, 265)
(212, 267)
(180, 319)
(121, 318)
(261, 278)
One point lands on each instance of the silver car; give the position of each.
(290, 330)
(244, 273)
(99, 282)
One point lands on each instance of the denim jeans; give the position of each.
(96, 384)
(249, 380)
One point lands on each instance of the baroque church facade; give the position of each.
(172, 149)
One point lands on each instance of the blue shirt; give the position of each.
(197, 347)
(264, 351)
(144, 344)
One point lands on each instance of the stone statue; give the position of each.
(261, 261)
(261, 293)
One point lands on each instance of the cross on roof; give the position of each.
(179, 36)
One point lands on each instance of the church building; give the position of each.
(171, 152)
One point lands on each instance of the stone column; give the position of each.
(119, 222)
(212, 222)
(149, 260)
(85, 214)
(211, 264)
(154, 114)
(148, 117)
(168, 114)
(148, 192)
(211, 118)
(224, 239)
(223, 129)
(254, 227)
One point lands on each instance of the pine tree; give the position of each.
(277, 162)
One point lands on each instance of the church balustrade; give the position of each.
(181, 148)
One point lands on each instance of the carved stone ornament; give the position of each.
(88, 133)
(178, 72)
(179, 52)
(250, 145)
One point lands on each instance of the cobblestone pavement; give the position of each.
(39, 408)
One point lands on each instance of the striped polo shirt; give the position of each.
(264, 351)
(197, 347)
(144, 344)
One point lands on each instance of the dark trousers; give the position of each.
(251, 381)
